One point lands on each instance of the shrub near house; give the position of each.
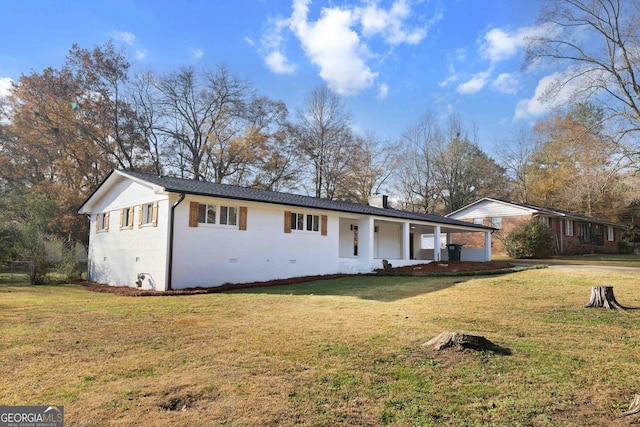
(531, 239)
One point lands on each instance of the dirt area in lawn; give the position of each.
(418, 270)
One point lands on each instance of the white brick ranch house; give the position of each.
(161, 233)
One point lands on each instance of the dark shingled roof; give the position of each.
(204, 188)
(548, 211)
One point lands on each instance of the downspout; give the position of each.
(171, 227)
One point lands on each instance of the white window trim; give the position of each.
(304, 230)
(101, 220)
(147, 214)
(496, 219)
(218, 210)
(611, 234)
(568, 227)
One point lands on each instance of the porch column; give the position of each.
(406, 240)
(366, 242)
(487, 246)
(436, 244)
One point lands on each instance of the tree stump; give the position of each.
(634, 408)
(602, 296)
(462, 340)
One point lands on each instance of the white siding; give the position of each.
(388, 240)
(116, 257)
(491, 208)
(214, 255)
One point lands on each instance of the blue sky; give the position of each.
(392, 61)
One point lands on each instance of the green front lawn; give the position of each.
(337, 352)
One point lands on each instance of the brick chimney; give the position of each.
(378, 201)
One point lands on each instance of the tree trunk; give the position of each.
(602, 296)
(461, 340)
(634, 408)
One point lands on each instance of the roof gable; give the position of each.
(525, 208)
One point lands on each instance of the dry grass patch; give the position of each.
(338, 352)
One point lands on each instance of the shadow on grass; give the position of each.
(367, 287)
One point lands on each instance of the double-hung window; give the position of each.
(301, 221)
(206, 214)
(611, 235)
(228, 215)
(126, 218)
(568, 227)
(102, 222)
(147, 213)
(210, 214)
(313, 223)
(305, 222)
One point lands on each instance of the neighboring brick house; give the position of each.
(573, 233)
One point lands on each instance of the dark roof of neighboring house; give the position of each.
(205, 188)
(546, 211)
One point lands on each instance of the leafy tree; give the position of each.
(598, 43)
(106, 116)
(465, 173)
(25, 229)
(68, 128)
(531, 239)
(574, 167)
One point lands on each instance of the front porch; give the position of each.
(365, 242)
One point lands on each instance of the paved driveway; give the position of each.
(587, 267)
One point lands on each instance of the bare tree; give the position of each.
(325, 138)
(371, 166)
(209, 125)
(415, 172)
(105, 115)
(279, 168)
(515, 157)
(147, 105)
(599, 42)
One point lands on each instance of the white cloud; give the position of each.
(390, 23)
(249, 41)
(337, 41)
(475, 84)
(278, 63)
(197, 53)
(5, 84)
(332, 45)
(500, 45)
(141, 54)
(506, 83)
(125, 37)
(541, 103)
(271, 46)
(449, 80)
(383, 91)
